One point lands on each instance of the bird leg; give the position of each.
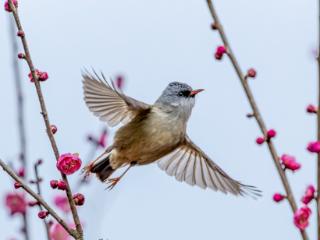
(112, 182)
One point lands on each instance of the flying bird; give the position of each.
(153, 133)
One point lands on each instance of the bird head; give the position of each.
(179, 97)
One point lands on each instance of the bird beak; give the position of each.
(195, 92)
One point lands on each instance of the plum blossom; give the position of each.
(290, 162)
(16, 203)
(69, 163)
(61, 201)
(301, 217)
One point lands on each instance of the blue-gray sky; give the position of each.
(153, 43)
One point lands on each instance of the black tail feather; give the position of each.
(102, 169)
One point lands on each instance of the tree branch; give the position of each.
(37, 197)
(20, 115)
(318, 129)
(256, 113)
(46, 118)
(38, 180)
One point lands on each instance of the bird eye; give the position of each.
(184, 93)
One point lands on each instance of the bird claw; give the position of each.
(112, 182)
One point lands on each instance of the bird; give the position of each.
(153, 133)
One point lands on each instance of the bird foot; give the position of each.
(112, 182)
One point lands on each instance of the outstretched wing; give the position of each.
(190, 164)
(107, 102)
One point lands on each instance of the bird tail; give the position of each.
(101, 167)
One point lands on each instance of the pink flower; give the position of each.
(308, 195)
(68, 163)
(301, 217)
(277, 197)
(260, 140)
(78, 199)
(290, 162)
(16, 203)
(7, 6)
(271, 133)
(42, 76)
(102, 140)
(119, 81)
(220, 51)
(251, 73)
(311, 109)
(314, 147)
(61, 201)
(57, 232)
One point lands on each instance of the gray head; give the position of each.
(178, 97)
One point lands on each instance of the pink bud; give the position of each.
(21, 56)
(17, 185)
(62, 185)
(251, 73)
(43, 76)
(277, 197)
(271, 133)
(260, 140)
(7, 6)
(309, 194)
(119, 81)
(78, 199)
(21, 172)
(220, 51)
(290, 162)
(43, 214)
(20, 33)
(311, 109)
(54, 129)
(54, 184)
(314, 147)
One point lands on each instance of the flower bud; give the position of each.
(260, 140)
(43, 214)
(277, 197)
(53, 184)
(78, 199)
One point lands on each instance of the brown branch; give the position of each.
(20, 115)
(318, 129)
(38, 180)
(46, 119)
(256, 113)
(37, 197)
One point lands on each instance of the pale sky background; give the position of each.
(153, 43)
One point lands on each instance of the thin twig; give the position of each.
(256, 113)
(38, 180)
(37, 197)
(46, 119)
(318, 128)
(20, 115)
